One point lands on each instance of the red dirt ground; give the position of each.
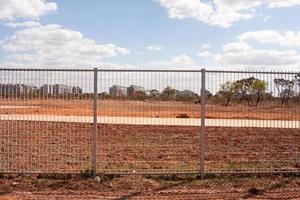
(67, 147)
(127, 108)
(150, 187)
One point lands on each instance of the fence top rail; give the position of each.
(148, 70)
(45, 70)
(208, 71)
(252, 72)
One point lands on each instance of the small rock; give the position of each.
(97, 178)
(14, 183)
(183, 115)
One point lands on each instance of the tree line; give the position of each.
(253, 89)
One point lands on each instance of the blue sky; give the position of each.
(255, 34)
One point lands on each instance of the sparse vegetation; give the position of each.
(285, 89)
(227, 90)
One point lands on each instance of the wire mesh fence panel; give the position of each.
(43, 128)
(253, 122)
(149, 121)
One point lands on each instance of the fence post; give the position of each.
(202, 130)
(95, 107)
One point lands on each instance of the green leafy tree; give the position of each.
(226, 91)
(251, 87)
(169, 93)
(258, 88)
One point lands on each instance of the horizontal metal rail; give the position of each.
(149, 70)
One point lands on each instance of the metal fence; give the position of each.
(149, 121)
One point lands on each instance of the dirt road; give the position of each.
(155, 121)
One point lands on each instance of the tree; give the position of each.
(297, 82)
(285, 89)
(169, 92)
(297, 79)
(248, 88)
(226, 91)
(258, 88)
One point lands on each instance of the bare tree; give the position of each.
(285, 89)
(297, 79)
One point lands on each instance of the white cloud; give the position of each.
(15, 9)
(236, 47)
(266, 18)
(242, 53)
(205, 12)
(204, 54)
(221, 13)
(54, 45)
(286, 39)
(283, 3)
(258, 57)
(181, 61)
(155, 48)
(23, 24)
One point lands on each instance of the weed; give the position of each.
(86, 173)
(54, 176)
(254, 191)
(172, 178)
(183, 115)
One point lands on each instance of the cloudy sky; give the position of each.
(185, 34)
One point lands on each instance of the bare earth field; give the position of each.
(149, 187)
(67, 147)
(127, 108)
(59, 147)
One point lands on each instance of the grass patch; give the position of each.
(243, 166)
(86, 173)
(172, 178)
(55, 176)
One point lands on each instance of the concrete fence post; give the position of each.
(202, 129)
(95, 107)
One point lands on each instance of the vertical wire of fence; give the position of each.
(44, 120)
(149, 121)
(252, 122)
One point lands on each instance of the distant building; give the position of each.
(29, 89)
(47, 89)
(134, 90)
(118, 91)
(59, 89)
(16, 89)
(154, 93)
(76, 90)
